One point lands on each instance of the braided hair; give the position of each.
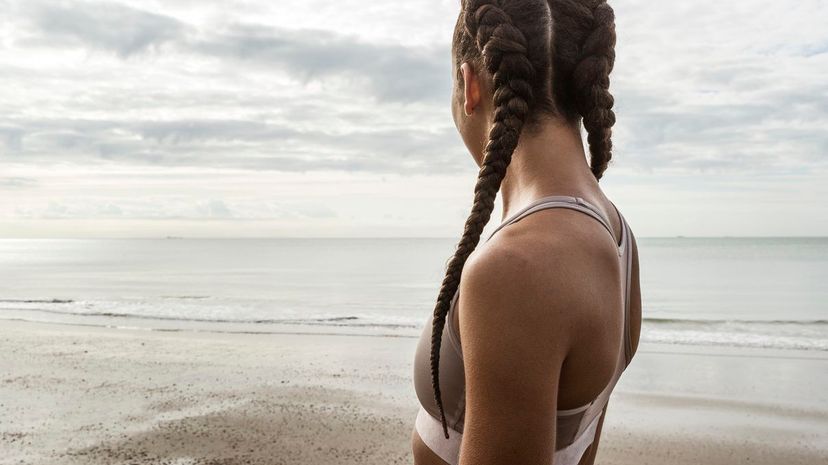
(583, 58)
(536, 70)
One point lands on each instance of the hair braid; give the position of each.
(590, 83)
(504, 51)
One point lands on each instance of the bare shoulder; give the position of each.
(547, 263)
(527, 285)
(516, 307)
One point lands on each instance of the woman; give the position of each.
(527, 343)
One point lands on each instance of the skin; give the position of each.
(549, 312)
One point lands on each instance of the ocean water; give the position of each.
(746, 292)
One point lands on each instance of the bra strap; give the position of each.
(627, 294)
(577, 203)
(558, 201)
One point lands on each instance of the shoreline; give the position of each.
(815, 342)
(92, 395)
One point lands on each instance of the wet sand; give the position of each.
(88, 395)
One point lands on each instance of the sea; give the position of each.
(740, 292)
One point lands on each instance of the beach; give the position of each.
(73, 394)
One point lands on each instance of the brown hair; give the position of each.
(545, 58)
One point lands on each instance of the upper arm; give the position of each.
(514, 344)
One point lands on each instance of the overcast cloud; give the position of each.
(256, 118)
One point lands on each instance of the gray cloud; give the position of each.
(11, 138)
(389, 72)
(738, 120)
(215, 94)
(392, 71)
(224, 112)
(239, 143)
(109, 26)
(17, 182)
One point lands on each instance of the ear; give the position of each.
(471, 88)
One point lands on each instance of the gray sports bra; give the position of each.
(575, 427)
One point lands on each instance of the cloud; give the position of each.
(238, 143)
(215, 209)
(728, 92)
(17, 182)
(392, 72)
(124, 206)
(11, 138)
(105, 25)
(314, 98)
(707, 94)
(388, 71)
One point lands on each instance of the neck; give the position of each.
(547, 161)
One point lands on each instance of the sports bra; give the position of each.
(576, 427)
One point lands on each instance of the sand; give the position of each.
(87, 395)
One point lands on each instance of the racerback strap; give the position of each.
(624, 249)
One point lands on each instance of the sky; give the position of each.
(326, 118)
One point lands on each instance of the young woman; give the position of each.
(531, 330)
